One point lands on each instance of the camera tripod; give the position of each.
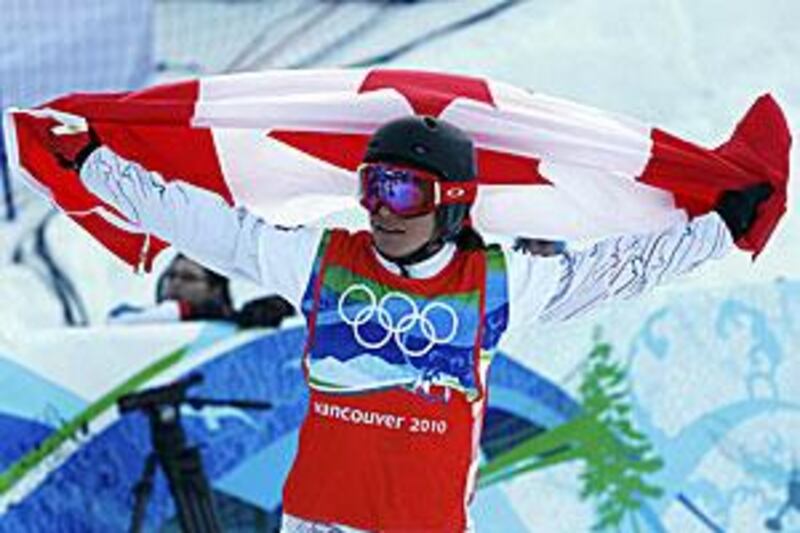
(181, 463)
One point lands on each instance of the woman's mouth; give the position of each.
(388, 229)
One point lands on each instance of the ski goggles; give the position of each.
(408, 192)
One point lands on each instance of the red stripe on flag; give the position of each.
(152, 127)
(166, 104)
(64, 186)
(125, 245)
(761, 144)
(758, 151)
(68, 192)
(694, 175)
(345, 150)
(428, 93)
(500, 168)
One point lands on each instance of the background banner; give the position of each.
(701, 386)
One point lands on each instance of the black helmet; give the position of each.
(430, 144)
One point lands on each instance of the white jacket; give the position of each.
(235, 242)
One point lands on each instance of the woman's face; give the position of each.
(395, 236)
(186, 280)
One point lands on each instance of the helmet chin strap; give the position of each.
(422, 253)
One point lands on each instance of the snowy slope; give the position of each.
(690, 67)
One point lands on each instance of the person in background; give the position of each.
(187, 290)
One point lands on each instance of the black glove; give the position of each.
(267, 312)
(70, 148)
(738, 208)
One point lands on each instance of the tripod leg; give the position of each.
(142, 491)
(192, 493)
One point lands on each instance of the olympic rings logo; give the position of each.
(397, 328)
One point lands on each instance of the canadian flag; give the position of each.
(286, 145)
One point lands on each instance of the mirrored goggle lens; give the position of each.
(406, 192)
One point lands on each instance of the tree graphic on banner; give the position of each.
(618, 458)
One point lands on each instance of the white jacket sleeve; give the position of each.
(566, 286)
(201, 225)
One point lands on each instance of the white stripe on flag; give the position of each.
(308, 188)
